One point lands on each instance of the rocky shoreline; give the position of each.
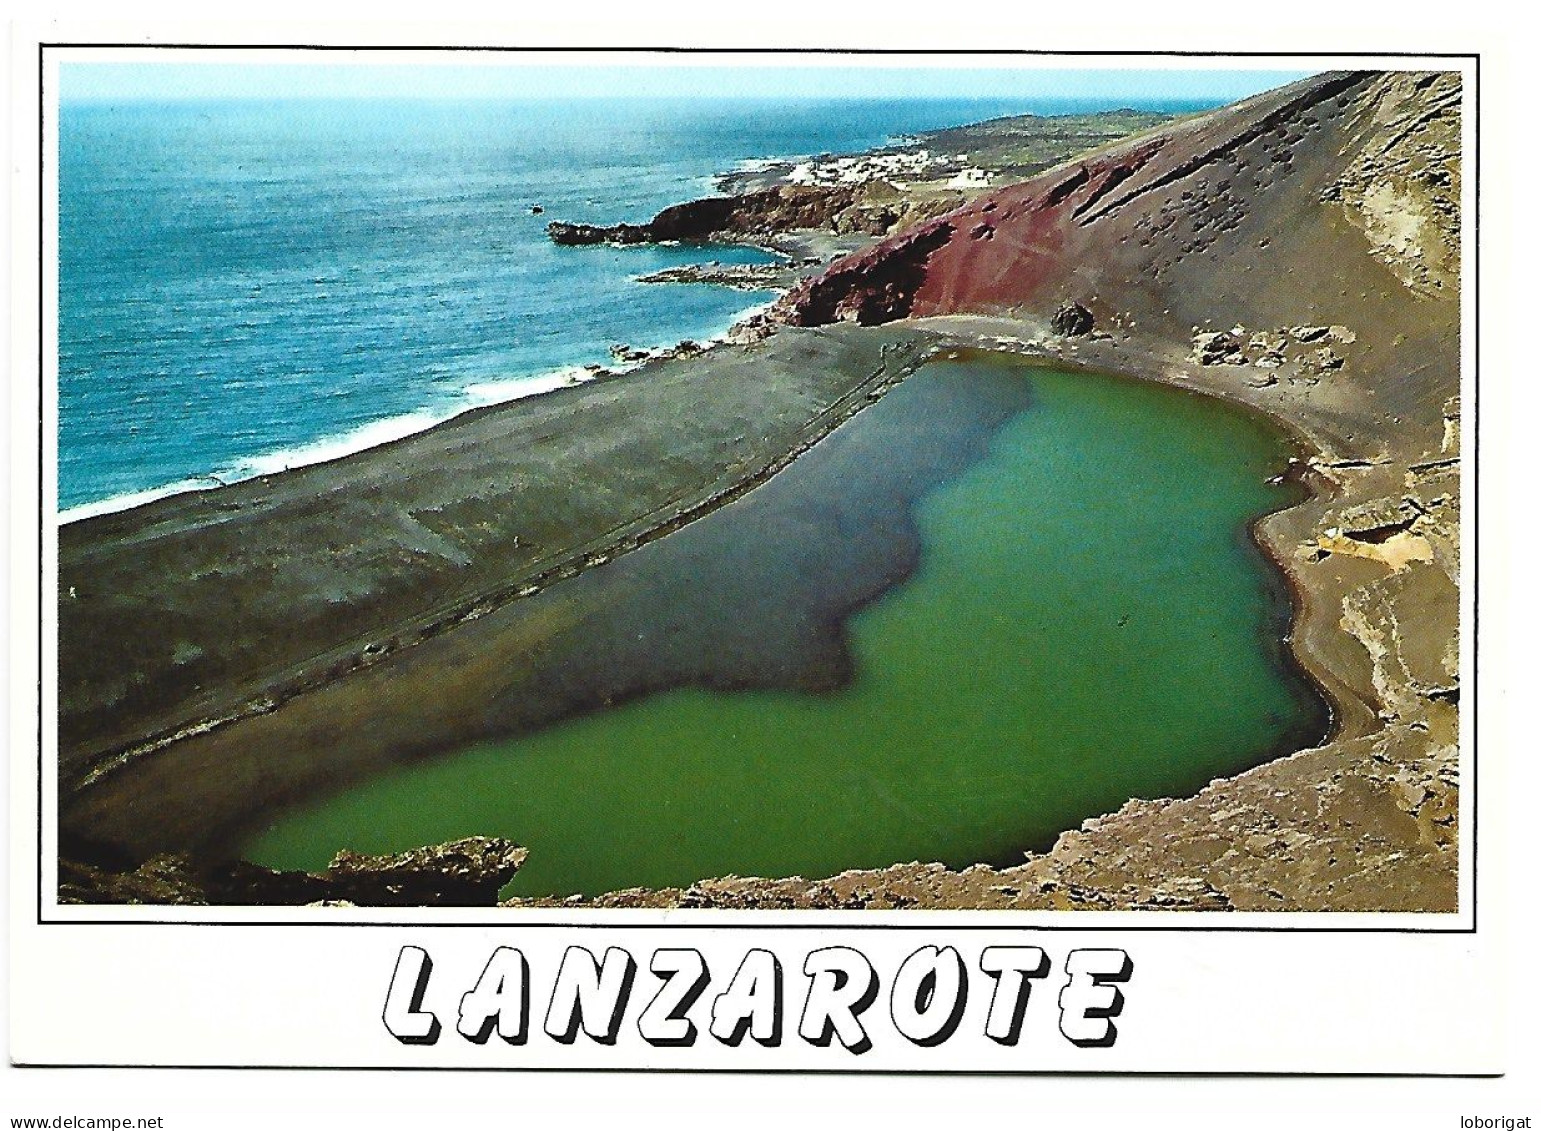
(741, 276)
(1196, 252)
(818, 209)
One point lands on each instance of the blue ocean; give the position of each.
(250, 285)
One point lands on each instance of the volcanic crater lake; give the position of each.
(1088, 621)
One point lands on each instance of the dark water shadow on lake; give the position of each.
(754, 595)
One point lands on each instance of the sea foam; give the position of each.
(371, 435)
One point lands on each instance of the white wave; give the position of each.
(134, 499)
(497, 392)
(747, 312)
(370, 435)
(392, 428)
(376, 432)
(765, 164)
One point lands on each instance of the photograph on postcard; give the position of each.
(788, 483)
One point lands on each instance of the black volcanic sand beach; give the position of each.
(219, 604)
(752, 595)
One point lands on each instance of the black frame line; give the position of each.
(823, 920)
(676, 50)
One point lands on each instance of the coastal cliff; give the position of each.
(842, 209)
(864, 196)
(1220, 210)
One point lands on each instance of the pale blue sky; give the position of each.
(180, 81)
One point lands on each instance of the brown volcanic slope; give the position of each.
(1317, 226)
(1310, 203)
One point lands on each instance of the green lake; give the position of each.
(1089, 622)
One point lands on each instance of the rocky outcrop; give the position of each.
(1072, 320)
(1297, 354)
(740, 276)
(744, 216)
(1403, 186)
(462, 873)
(885, 291)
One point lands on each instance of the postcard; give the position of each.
(836, 561)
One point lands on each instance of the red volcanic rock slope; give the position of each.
(1330, 200)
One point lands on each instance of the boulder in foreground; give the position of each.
(461, 873)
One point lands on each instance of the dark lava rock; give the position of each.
(1325, 359)
(1309, 333)
(159, 880)
(752, 214)
(1218, 348)
(1072, 320)
(869, 288)
(462, 873)
(577, 234)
